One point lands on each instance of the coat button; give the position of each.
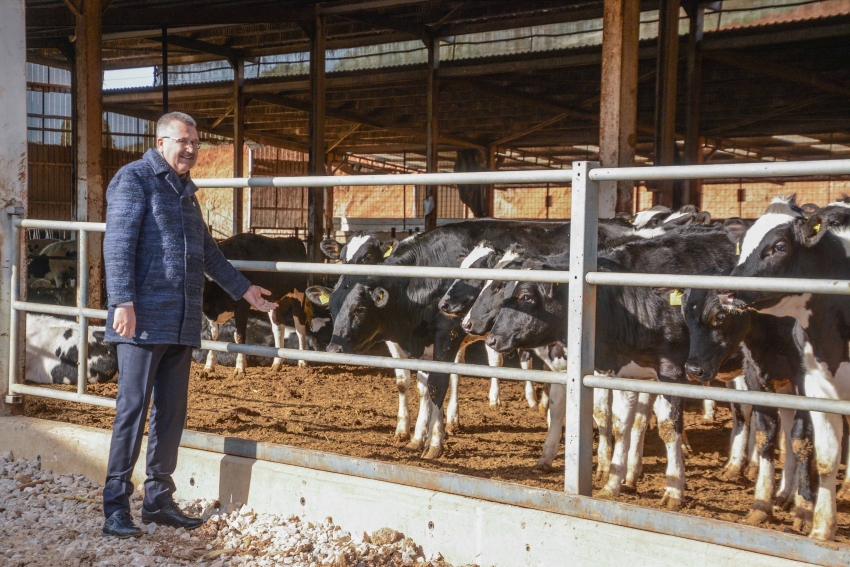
(188, 256)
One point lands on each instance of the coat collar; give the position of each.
(162, 169)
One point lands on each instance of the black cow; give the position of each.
(772, 349)
(639, 332)
(779, 245)
(287, 289)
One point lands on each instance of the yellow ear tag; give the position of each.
(325, 298)
(816, 228)
(738, 248)
(675, 297)
(388, 252)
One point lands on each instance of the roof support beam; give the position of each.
(316, 166)
(224, 51)
(238, 141)
(432, 130)
(416, 30)
(665, 95)
(691, 194)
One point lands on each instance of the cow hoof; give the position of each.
(673, 503)
(208, 374)
(541, 468)
(415, 446)
(752, 472)
(783, 503)
(606, 493)
(303, 364)
(757, 517)
(432, 453)
(731, 474)
(541, 409)
(277, 366)
(495, 403)
(452, 428)
(601, 476)
(532, 405)
(402, 437)
(803, 514)
(238, 374)
(628, 489)
(844, 493)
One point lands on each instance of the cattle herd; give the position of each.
(772, 342)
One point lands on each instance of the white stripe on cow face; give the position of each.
(644, 217)
(649, 232)
(843, 233)
(796, 306)
(757, 232)
(354, 245)
(839, 204)
(675, 215)
(477, 253)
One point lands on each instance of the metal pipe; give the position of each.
(474, 370)
(63, 395)
(404, 271)
(61, 225)
(482, 177)
(14, 326)
(798, 285)
(83, 302)
(58, 310)
(719, 171)
(719, 394)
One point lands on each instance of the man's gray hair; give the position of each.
(164, 122)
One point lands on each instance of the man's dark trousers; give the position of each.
(145, 371)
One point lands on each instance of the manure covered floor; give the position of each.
(352, 411)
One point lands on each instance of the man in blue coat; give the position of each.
(156, 251)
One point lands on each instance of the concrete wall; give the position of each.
(463, 529)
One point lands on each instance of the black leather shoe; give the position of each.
(120, 524)
(172, 516)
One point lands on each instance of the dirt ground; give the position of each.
(352, 411)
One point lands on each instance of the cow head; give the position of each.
(357, 310)
(362, 248)
(462, 293)
(835, 217)
(651, 218)
(532, 314)
(715, 330)
(479, 319)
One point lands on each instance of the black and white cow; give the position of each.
(405, 311)
(639, 334)
(360, 248)
(772, 349)
(779, 244)
(287, 289)
(663, 217)
(52, 354)
(56, 263)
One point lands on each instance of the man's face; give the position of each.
(180, 155)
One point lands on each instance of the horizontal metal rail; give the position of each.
(800, 285)
(59, 310)
(769, 399)
(60, 225)
(404, 271)
(722, 171)
(42, 392)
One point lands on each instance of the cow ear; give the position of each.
(388, 247)
(319, 295)
(331, 248)
(811, 230)
(703, 217)
(809, 208)
(735, 230)
(380, 296)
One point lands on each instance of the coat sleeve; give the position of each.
(221, 271)
(125, 211)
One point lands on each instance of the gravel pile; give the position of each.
(48, 519)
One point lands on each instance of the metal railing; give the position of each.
(581, 326)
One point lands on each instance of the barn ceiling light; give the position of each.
(795, 139)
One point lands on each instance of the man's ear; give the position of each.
(319, 295)
(388, 247)
(380, 296)
(331, 248)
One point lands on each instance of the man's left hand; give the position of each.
(254, 296)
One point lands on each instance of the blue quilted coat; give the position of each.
(156, 251)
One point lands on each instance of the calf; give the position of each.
(360, 248)
(773, 362)
(57, 263)
(52, 355)
(287, 289)
(778, 245)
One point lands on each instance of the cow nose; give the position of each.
(443, 306)
(490, 341)
(695, 371)
(467, 326)
(333, 347)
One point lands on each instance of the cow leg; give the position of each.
(741, 414)
(241, 320)
(708, 409)
(670, 421)
(602, 419)
(494, 359)
(526, 363)
(623, 409)
(802, 444)
(543, 405)
(558, 407)
(844, 493)
(452, 414)
(300, 319)
(635, 466)
(765, 424)
(418, 441)
(447, 343)
(402, 383)
(275, 320)
(828, 430)
(787, 486)
(209, 367)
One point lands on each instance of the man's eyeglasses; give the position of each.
(184, 143)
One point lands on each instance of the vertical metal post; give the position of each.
(316, 195)
(82, 302)
(665, 94)
(238, 139)
(693, 145)
(581, 332)
(14, 324)
(432, 153)
(164, 69)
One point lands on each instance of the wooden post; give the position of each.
(164, 69)
(315, 201)
(432, 156)
(329, 197)
(693, 146)
(88, 98)
(618, 103)
(665, 94)
(238, 140)
(491, 189)
(13, 180)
